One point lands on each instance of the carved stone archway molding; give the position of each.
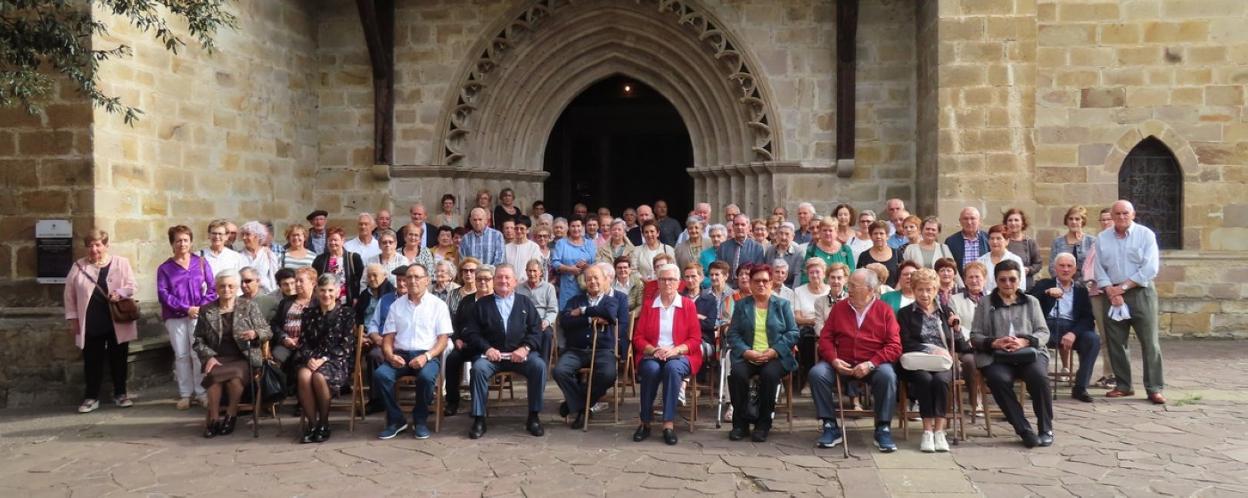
(544, 54)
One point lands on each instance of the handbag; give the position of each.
(1021, 356)
(919, 361)
(124, 310)
(272, 381)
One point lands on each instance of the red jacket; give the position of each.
(877, 341)
(686, 329)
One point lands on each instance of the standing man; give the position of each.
(595, 307)
(384, 221)
(669, 228)
(316, 231)
(415, 334)
(429, 235)
(740, 249)
(644, 214)
(786, 250)
(482, 242)
(805, 223)
(506, 328)
(970, 243)
(1126, 264)
(893, 207)
(364, 243)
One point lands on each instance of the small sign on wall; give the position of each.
(54, 250)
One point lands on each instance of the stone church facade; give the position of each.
(1037, 104)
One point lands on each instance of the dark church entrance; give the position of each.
(619, 144)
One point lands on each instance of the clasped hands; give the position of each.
(417, 363)
(856, 371)
(1010, 344)
(759, 358)
(518, 356)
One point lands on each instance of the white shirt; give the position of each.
(804, 299)
(519, 256)
(1134, 257)
(228, 259)
(394, 262)
(667, 320)
(990, 283)
(364, 250)
(265, 263)
(417, 326)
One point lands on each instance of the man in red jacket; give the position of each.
(860, 341)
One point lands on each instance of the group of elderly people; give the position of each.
(848, 304)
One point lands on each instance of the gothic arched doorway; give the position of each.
(619, 143)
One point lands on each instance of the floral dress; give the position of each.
(332, 336)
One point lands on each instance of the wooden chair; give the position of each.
(615, 386)
(439, 386)
(953, 414)
(692, 400)
(1056, 375)
(627, 372)
(986, 395)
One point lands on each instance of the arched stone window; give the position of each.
(1151, 179)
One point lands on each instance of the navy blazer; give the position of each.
(1082, 312)
(781, 329)
(484, 327)
(957, 247)
(577, 329)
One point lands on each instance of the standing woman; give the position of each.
(881, 253)
(667, 346)
(227, 341)
(927, 250)
(649, 248)
(447, 216)
(388, 258)
(341, 263)
(413, 250)
(997, 252)
(93, 282)
(1074, 242)
(506, 208)
(827, 247)
(446, 250)
(485, 201)
(761, 336)
(326, 346)
(258, 256)
(844, 214)
(718, 234)
(1020, 244)
(184, 283)
(617, 245)
(690, 250)
(297, 255)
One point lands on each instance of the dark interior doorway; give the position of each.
(619, 144)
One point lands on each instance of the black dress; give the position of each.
(330, 336)
(99, 321)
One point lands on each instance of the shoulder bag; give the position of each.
(124, 310)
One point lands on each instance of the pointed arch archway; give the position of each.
(544, 54)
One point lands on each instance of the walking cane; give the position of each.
(953, 354)
(840, 400)
(589, 382)
(255, 395)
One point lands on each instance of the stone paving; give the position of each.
(1195, 446)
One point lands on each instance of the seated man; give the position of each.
(505, 328)
(1068, 313)
(860, 341)
(416, 331)
(595, 307)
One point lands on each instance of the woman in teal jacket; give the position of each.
(762, 335)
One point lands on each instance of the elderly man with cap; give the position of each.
(316, 231)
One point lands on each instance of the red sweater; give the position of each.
(686, 329)
(877, 341)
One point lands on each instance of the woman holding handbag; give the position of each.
(1009, 334)
(95, 285)
(928, 331)
(183, 285)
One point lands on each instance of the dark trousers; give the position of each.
(385, 376)
(571, 360)
(670, 374)
(931, 390)
(1087, 346)
(454, 374)
(1000, 379)
(769, 375)
(373, 360)
(547, 340)
(95, 352)
(805, 359)
(533, 369)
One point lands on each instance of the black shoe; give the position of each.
(1029, 439)
(579, 423)
(760, 434)
(534, 425)
(564, 411)
(643, 432)
(451, 408)
(322, 434)
(1081, 396)
(227, 427)
(210, 431)
(669, 436)
(478, 428)
(309, 436)
(1046, 439)
(738, 433)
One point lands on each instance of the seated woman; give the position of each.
(904, 295)
(326, 348)
(930, 328)
(762, 335)
(1008, 334)
(227, 341)
(667, 346)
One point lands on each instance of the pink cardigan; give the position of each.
(78, 289)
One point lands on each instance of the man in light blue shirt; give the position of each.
(482, 242)
(1127, 261)
(740, 249)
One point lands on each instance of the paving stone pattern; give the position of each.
(1195, 446)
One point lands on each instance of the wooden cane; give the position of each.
(589, 382)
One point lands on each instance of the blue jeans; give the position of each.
(883, 382)
(533, 369)
(384, 378)
(670, 373)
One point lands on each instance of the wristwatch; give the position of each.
(428, 358)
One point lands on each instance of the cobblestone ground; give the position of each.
(1195, 446)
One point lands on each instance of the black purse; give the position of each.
(1021, 356)
(272, 381)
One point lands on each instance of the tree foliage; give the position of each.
(40, 38)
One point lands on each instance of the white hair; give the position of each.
(806, 205)
(608, 270)
(366, 215)
(227, 274)
(789, 225)
(667, 267)
(871, 279)
(1067, 255)
(546, 217)
(718, 227)
(445, 263)
(255, 228)
(693, 218)
(780, 263)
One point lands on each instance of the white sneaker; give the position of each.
(941, 443)
(928, 443)
(728, 414)
(88, 405)
(598, 407)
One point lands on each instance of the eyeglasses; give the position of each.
(762, 280)
(248, 280)
(668, 280)
(467, 269)
(217, 234)
(483, 279)
(388, 242)
(1009, 280)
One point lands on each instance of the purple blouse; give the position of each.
(179, 289)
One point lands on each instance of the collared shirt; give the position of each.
(519, 255)
(970, 249)
(365, 251)
(790, 256)
(417, 326)
(227, 259)
(1133, 257)
(861, 314)
(504, 307)
(1064, 308)
(897, 240)
(317, 241)
(739, 253)
(667, 320)
(486, 246)
(378, 318)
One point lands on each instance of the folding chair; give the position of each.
(986, 394)
(1056, 375)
